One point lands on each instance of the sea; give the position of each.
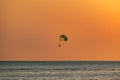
(59, 70)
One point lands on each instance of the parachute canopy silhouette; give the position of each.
(62, 38)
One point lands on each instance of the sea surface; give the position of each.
(59, 70)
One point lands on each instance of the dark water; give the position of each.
(60, 70)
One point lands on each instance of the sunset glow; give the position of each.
(30, 29)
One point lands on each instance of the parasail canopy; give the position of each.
(62, 38)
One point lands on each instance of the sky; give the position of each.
(30, 30)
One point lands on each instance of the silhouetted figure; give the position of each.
(59, 45)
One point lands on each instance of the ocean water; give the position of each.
(60, 70)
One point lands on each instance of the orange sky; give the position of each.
(30, 29)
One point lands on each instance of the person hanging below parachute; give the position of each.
(62, 38)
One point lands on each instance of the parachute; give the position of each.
(62, 38)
